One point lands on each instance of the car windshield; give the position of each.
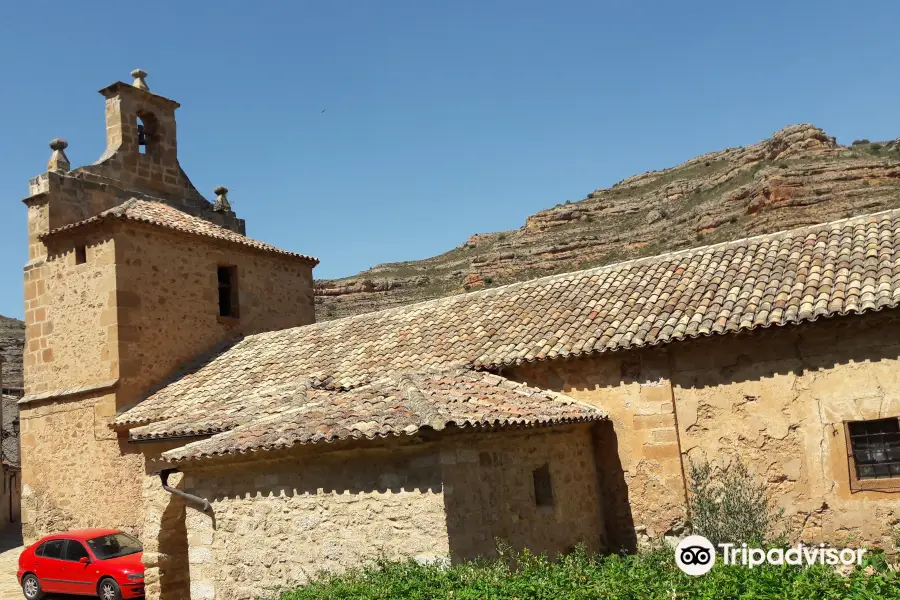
(113, 545)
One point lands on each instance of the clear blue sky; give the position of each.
(441, 119)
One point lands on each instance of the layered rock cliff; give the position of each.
(12, 344)
(797, 177)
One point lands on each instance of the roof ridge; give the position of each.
(601, 268)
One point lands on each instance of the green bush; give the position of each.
(731, 506)
(650, 575)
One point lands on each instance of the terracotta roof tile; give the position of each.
(163, 215)
(704, 291)
(403, 404)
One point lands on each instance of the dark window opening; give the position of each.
(228, 292)
(543, 486)
(75, 551)
(146, 133)
(875, 447)
(80, 255)
(53, 548)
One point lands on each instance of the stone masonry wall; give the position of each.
(168, 300)
(280, 522)
(634, 389)
(70, 318)
(277, 522)
(778, 399)
(489, 492)
(76, 473)
(142, 305)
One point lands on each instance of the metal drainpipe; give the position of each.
(164, 479)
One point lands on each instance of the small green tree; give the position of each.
(731, 506)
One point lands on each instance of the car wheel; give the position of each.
(31, 587)
(109, 590)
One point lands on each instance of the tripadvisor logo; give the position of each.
(696, 555)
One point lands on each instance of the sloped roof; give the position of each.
(392, 406)
(163, 215)
(844, 267)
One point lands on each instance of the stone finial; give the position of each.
(222, 203)
(58, 160)
(139, 83)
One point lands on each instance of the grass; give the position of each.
(649, 575)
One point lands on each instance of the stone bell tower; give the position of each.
(141, 138)
(132, 274)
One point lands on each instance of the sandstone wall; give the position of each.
(277, 522)
(144, 304)
(778, 399)
(75, 472)
(169, 304)
(70, 317)
(281, 522)
(634, 389)
(489, 492)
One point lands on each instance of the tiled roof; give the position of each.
(163, 215)
(403, 404)
(847, 266)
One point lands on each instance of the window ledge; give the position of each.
(228, 320)
(888, 484)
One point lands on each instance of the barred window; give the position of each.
(875, 446)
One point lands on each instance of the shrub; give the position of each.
(858, 142)
(488, 280)
(730, 506)
(875, 147)
(580, 575)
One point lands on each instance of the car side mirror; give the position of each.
(84, 560)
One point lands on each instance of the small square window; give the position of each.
(543, 486)
(228, 292)
(80, 255)
(873, 449)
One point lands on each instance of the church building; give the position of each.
(178, 387)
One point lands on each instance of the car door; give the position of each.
(78, 576)
(50, 568)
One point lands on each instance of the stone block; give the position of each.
(667, 435)
(202, 590)
(199, 555)
(660, 451)
(653, 421)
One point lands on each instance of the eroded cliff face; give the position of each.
(799, 176)
(12, 343)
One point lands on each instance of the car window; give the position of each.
(40, 550)
(75, 551)
(113, 545)
(53, 548)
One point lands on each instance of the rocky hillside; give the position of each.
(12, 344)
(797, 177)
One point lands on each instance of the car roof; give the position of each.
(82, 534)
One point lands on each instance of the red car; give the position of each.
(90, 562)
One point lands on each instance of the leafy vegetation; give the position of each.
(580, 575)
(726, 505)
(731, 506)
